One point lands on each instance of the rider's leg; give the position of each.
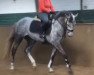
(44, 19)
(42, 31)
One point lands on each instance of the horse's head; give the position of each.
(66, 20)
(70, 21)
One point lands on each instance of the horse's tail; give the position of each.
(8, 44)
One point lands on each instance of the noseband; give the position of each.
(70, 30)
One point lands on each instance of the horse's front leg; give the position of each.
(68, 65)
(51, 60)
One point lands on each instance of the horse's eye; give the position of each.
(70, 19)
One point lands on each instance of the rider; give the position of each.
(45, 8)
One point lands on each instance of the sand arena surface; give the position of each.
(80, 49)
(25, 68)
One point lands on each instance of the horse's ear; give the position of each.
(68, 16)
(76, 15)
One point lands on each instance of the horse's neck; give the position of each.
(56, 31)
(62, 20)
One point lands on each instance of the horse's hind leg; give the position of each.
(68, 65)
(51, 60)
(30, 45)
(28, 51)
(17, 41)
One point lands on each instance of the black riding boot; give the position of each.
(42, 32)
(42, 35)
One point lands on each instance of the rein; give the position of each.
(65, 28)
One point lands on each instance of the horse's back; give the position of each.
(22, 25)
(26, 20)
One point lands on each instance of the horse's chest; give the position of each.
(55, 37)
(56, 34)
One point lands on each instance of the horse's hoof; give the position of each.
(51, 70)
(34, 65)
(12, 68)
(70, 71)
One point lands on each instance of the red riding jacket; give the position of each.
(45, 6)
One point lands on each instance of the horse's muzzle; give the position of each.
(70, 34)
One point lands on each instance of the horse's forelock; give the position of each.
(71, 17)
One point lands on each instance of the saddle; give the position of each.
(36, 25)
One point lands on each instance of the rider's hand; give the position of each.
(51, 12)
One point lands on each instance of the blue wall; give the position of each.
(84, 16)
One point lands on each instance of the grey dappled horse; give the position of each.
(62, 25)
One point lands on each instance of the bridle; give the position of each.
(67, 20)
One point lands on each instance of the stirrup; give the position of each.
(42, 36)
